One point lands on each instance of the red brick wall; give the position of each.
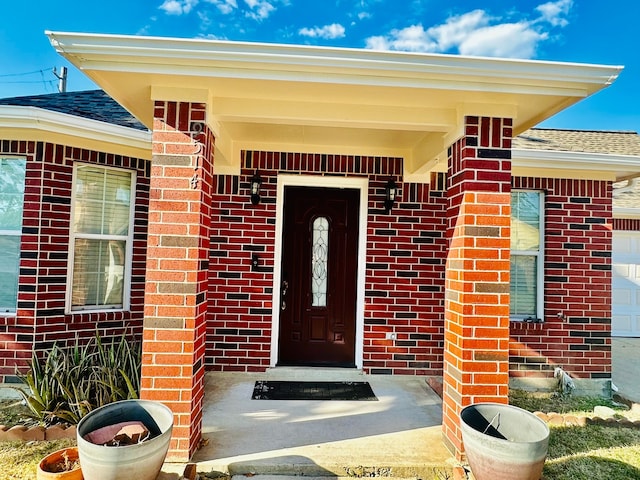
(404, 266)
(404, 284)
(40, 318)
(626, 224)
(578, 221)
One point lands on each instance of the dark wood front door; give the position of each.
(319, 276)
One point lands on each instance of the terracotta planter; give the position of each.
(47, 468)
(503, 442)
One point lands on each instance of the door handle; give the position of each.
(283, 303)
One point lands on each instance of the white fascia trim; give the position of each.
(213, 58)
(630, 213)
(552, 159)
(13, 116)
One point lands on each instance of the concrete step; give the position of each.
(315, 374)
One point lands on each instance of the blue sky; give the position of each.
(585, 31)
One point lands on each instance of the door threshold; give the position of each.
(315, 373)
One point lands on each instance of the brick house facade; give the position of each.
(432, 285)
(40, 317)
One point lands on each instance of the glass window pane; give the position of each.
(102, 200)
(98, 272)
(102, 210)
(524, 285)
(319, 259)
(525, 221)
(9, 267)
(12, 173)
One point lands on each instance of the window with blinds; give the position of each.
(12, 175)
(526, 255)
(101, 238)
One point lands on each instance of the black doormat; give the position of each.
(274, 390)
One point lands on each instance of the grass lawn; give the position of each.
(591, 452)
(18, 460)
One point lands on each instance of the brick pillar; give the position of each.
(476, 348)
(177, 266)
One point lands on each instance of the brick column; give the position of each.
(476, 348)
(177, 266)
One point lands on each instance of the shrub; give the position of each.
(66, 384)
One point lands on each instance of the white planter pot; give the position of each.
(142, 461)
(503, 442)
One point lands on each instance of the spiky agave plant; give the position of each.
(66, 384)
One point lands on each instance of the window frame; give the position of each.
(128, 239)
(11, 312)
(539, 254)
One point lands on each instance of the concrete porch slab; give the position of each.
(399, 435)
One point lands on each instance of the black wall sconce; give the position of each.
(256, 182)
(390, 191)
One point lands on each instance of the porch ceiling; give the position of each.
(316, 99)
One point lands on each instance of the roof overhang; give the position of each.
(37, 124)
(333, 100)
(580, 165)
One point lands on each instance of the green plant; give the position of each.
(66, 384)
(42, 399)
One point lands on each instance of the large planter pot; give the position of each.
(503, 442)
(142, 461)
(48, 466)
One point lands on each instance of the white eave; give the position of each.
(626, 213)
(328, 100)
(33, 123)
(556, 163)
(209, 58)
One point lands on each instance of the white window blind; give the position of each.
(12, 175)
(101, 236)
(526, 255)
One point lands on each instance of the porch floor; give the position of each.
(399, 435)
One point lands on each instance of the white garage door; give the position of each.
(625, 286)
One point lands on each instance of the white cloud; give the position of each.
(178, 7)
(411, 39)
(335, 30)
(508, 40)
(378, 42)
(224, 6)
(205, 21)
(553, 12)
(456, 29)
(478, 33)
(259, 9)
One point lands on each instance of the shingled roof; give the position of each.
(587, 141)
(91, 104)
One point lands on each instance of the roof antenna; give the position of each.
(62, 79)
